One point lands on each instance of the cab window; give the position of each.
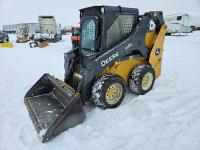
(88, 35)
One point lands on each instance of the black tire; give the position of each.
(100, 89)
(137, 78)
(168, 34)
(7, 39)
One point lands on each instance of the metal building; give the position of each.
(15, 28)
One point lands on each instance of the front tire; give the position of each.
(108, 91)
(142, 79)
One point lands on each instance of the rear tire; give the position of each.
(108, 91)
(168, 34)
(142, 79)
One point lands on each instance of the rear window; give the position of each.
(120, 29)
(75, 32)
(179, 17)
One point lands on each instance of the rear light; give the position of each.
(102, 10)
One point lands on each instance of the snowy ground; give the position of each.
(167, 118)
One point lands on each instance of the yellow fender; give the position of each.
(155, 58)
(6, 45)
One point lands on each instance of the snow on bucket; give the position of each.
(53, 107)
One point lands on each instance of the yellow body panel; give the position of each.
(150, 39)
(154, 59)
(6, 45)
(123, 68)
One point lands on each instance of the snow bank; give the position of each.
(166, 118)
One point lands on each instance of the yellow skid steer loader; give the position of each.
(118, 49)
(23, 36)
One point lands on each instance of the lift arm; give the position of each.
(155, 58)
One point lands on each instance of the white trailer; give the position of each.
(178, 23)
(49, 27)
(195, 20)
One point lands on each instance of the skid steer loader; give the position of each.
(119, 49)
(4, 40)
(23, 35)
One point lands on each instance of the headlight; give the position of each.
(102, 10)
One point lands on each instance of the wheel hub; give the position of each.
(114, 93)
(147, 81)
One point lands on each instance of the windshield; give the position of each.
(88, 35)
(76, 32)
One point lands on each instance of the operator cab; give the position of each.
(103, 27)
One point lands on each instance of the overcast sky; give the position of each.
(67, 11)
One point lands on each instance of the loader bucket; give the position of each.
(53, 107)
(6, 45)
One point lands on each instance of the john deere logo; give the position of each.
(109, 59)
(157, 51)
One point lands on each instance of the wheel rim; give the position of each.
(147, 81)
(114, 93)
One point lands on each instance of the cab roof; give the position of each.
(99, 10)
